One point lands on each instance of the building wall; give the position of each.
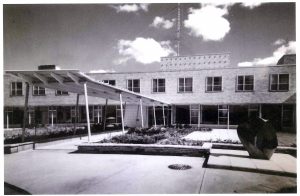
(261, 93)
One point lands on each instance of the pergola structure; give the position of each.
(77, 82)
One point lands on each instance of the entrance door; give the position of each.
(183, 114)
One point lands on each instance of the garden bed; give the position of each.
(159, 136)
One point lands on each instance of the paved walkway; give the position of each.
(54, 169)
(280, 164)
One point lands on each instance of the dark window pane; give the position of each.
(181, 89)
(161, 89)
(217, 88)
(274, 79)
(248, 79)
(209, 80)
(274, 87)
(248, 87)
(217, 81)
(240, 87)
(181, 81)
(188, 89)
(240, 79)
(284, 78)
(136, 83)
(208, 88)
(283, 87)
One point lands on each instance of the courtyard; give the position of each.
(56, 164)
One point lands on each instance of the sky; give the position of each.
(132, 37)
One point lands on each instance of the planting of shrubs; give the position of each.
(159, 135)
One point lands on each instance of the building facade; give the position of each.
(204, 90)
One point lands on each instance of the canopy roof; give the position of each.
(73, 81)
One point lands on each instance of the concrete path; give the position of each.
(60, 172)
(280, 164)
(53, 169)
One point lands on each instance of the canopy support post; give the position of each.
(7, 121)
(228, 117)
(163, 107)
(154, 115)
(104, 116)
(199, 116)
(141, 108)
(76, 113)
(87, 112)
(122, 117)
(25, 111)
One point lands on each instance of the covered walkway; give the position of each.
(79, 83)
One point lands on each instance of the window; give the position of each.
(223, 114)
(133, 85)
(213, 84)
(16, 89)
(279, 82)
(194, 113)
(97, 114)
(37, 90)
(245, 83)
(158, 85)
(110, 82)
(185, 85)
(59, 93)
(288, 116)
(52, 114)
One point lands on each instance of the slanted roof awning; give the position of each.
(73, 81)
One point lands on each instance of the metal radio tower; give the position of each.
(178, 29)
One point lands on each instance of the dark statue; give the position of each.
(258, 137)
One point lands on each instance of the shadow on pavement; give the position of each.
(10, 189)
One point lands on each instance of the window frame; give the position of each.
(278, 83)
(15, 94)
(212, 85)
(184, 85)
(244, 84)
(157, 85)
(132, 85)
(38, 90)
(108, 82)
(56, 94)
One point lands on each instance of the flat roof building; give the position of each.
(203, 90)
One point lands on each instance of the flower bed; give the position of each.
(159, 135)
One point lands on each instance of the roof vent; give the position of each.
(46, 67)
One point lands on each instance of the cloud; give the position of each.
(160, 22)
(143, 50)
(251, 4)
(208, 22)
(289, 48)
(279, 42)
(103, 71)
(130, 7)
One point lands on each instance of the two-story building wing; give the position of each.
(204, 90)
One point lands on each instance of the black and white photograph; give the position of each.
(175, 97)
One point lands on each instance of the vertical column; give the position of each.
(76, 113)
(141, 108)
(122, 117)
(228, 117)
(52, 117)
(7, 121)
(29, 118)
(260, 112)
(98, 115)
(154, 115)
(163, 107)
(104, 116)
(25, 110)
(199, 116)
(87, 112)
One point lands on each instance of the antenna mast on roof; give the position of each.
(178, 29)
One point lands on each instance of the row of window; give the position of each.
(244, 83)
(17, 90)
